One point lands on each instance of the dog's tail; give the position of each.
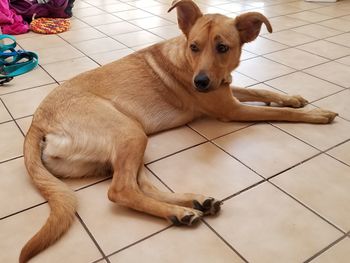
(60, 197)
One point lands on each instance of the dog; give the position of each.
(97, 123)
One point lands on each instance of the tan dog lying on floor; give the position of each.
(98, 122)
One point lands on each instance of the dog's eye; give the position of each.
(221, 48)
(194, 48)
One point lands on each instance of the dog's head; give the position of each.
(214, 42)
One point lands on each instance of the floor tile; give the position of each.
(166, 32)
(332, 11)
(118, 28)
(125, 226)
(337, 23)
(284, 22)
(11, 141)
(132, 14)
(34, 78)
(99, 45)
(116, 7)
(171, 141)
(101, 19)
(332, 71)
(239, 80)
(262, 46)
(16, 186)
(4, 115)
(54, 54)
(110, 56)
(322, 184)
(215, 174)
(265, 218)
(299, 83)
(318, 135)
(289, 37)
(309, 16)
(249, 144)
(339, 253)
(196, 245)
(24, 124)
(234, 7)
(338, 102)
(16, 230)
(282, 9)
(211, 128)
(344, 60)
(151, 22)
(77, 24)
(247, 55)
(343, 39)
(137, 38)
(262, 69)
(24, 103)
(89, 11)
(295, 58)
(326, 49)
(317, 31)
(41, 41)
(67, 69)
(145, 4)
(81, 35)
(341, 152)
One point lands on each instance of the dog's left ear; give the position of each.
(249, 25)
(187, 14)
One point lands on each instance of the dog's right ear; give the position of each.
(187, 14)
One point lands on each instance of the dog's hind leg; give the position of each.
(245, 94)
(208, 205)
(124, 189)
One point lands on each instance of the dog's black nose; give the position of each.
(201, 81)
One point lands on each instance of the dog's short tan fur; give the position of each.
(98, 122)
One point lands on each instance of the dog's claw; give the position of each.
(209, 207)
(188, 220)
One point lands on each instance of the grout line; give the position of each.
(91, 236)
(23, 210)
(139, 241)
(154, 174)
(16, 91)
(223, 240)
(13, 119)
(179, 151)
(308, 208)
(325, 249)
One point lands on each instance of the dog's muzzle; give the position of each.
(202, 82)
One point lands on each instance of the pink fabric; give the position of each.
(10, 22)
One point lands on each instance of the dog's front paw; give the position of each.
(188, 217)
(322, 116)
(295, 101)
(210, 206)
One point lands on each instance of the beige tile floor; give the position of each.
(286, 187)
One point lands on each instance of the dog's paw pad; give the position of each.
(210, 206)
(190, 219)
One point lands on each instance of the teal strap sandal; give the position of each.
(14, 62)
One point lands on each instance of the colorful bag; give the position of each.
(42, 8)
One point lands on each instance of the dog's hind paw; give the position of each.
(190, 218)
(210, 206)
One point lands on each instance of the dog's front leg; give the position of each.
(245, 94)
(233, 110)
(125, 191)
